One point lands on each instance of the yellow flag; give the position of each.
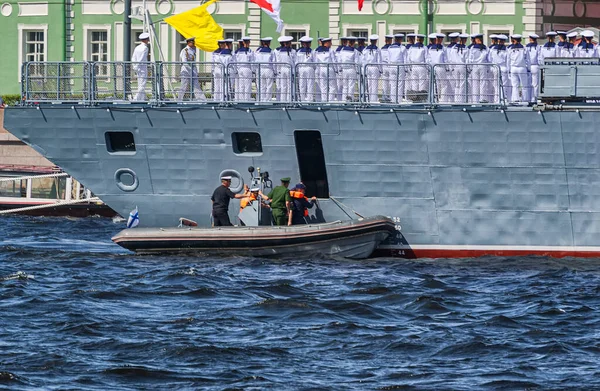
(199, 23)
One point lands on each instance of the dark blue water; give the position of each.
(77, 312)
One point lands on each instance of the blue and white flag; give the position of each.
(133, 219)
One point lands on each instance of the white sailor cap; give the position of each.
(144, 36)
(361, 38)
(246, 38)
(190, 39)
(454, 35)
(420, 35)
(463, 35)
(493, 36)
(388, 36)
(551, 34)
(226, 178)
(410, 35)
(221, 41)
(502, 37)
(433, 36)
(240, 40)
(266, 39)
(351, 38)
(534, 36)
(306, 38)
(516, 36)
(587, 34)
(572, 34)
(255, 189)
(373, 37)
(343, 38)
(561, 33)
(477, 35)
(400, 35)
(325, 39)
(441, 35)
(285, 38)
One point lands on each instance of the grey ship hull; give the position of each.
(458, 183)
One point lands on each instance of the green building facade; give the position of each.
(93, 30)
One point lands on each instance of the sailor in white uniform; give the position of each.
(417, 83)
(325, 71)
(189, 73)
(385, 59)
(549, 48)
(371, 56)
(140, 59)
(453, 40)
(347, 60)
(286, 57)
(264, 69)
(305, 60)
(436, 58)
(562, 41)
(396, 69)
(340, 78)
(587, 48)
(458, 55)
(534, 50)
(569, 49)
(477, 59)
(519, 67)
(242, 60)
(218, 72)
(497, 55)
(225, 57)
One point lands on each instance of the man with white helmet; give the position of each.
(264, 69)
(396, 69)
(286, 57)
(497, 55)
(533, 50)
(587, 48)
(385, 59)
(371, 59)
(477, 59)
(243, 59)
(519, 67)
(418, 80)
(325, 71)
(458, 55)
(305, 60)
(347, 59)
(189, 73)
(435, 56)
(140, 59)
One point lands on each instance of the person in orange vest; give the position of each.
(300, 205)
(253, 196)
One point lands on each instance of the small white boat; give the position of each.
(351, 239)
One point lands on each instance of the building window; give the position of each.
(296, 35)
(34, 46)
(181, 44)
(98, 50)
(232, 34)
(135, 33)
(357, 33)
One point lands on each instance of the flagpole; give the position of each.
(127, 32)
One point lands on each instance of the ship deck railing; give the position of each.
(305, 84)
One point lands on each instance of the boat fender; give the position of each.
(234, 174)
(119, 179)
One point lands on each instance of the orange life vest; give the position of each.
(247, 201)
(299, 195)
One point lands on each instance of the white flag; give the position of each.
(133, 219)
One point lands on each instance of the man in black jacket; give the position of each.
(220, 199)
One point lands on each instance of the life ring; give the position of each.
(233, 174)
(120, 172)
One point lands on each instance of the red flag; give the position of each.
(263, 4)
(360, 4)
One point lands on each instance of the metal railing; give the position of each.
(56, 81)
(262, 82)
(273, 83)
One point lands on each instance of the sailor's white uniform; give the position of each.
(189, 75)
(242, 63)
(371, 59)
(458, 54)
(385, 58)
(396, 72)
(497, 55)
(286, 56)
(517, 62)
(418, 78)
(139, 60)
(306, 74)
(588, 50)
(325, 74)
(567, 50)
(225, 57)
(477, 59)
(218, 72)
(547, 51)
(436, 57)
(534, 50)
(348, 58)
(265, 72)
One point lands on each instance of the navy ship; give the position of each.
(459, 177)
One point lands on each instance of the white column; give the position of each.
(334, 21)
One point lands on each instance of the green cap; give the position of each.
(286, 179)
